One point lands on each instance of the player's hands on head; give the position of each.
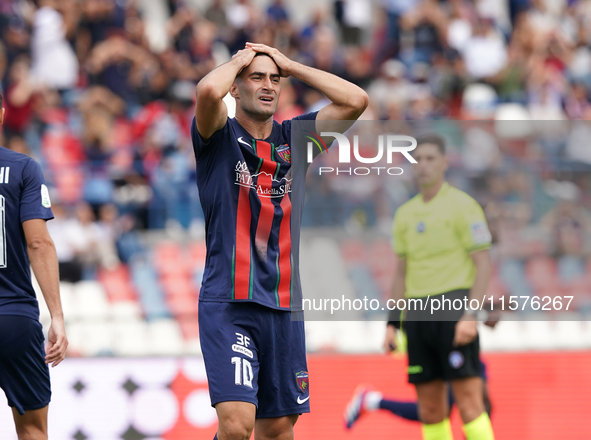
(57, 342)
(281, 60)
(466, 331)
(390, 339)
(244, 57)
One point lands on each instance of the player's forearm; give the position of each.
(397, 292)
(339, 91)
(398, 288)
(482, 278)
(217, 83)
(44, 262)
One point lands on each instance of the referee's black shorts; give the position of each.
(431, 353)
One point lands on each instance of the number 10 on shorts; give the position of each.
(242, 371)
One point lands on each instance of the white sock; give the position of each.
(372, 400)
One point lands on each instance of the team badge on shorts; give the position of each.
(456, 359)
(421, 227)
(302, 379)
(284, 152)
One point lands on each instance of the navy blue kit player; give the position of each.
(251, 185)
(25, 243)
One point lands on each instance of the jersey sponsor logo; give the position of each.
(480, 233)
(284, 152)
(4, 174)
(302, 380)
(245, 179)
(45, 200)
(415, 369)
(456, 359)
(243, 350)
(421, 227)
(300, 400)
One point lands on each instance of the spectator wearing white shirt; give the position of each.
(54, 62)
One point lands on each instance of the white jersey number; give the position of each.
(2, 232)
(242, 372)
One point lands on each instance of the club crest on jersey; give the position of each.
(421, 227)
(284, 152)
(302, 379)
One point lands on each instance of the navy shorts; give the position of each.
(24, 376)
(255, 354)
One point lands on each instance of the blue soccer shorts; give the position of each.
(24, 376)
(255, 354)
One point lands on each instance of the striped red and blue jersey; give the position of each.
(246, 189)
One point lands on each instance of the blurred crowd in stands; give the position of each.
(103, 98)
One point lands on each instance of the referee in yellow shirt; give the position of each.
(442, 241)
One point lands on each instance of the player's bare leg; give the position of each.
(276, 428)
(432, 400)
(32, 425)
(468, 394)
(236, 420)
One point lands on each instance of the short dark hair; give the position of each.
(434, 139)
(258, 54)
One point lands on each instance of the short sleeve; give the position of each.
(471, 227)
(286, 125)
(201, 147)
(34, 201)
(399, 230)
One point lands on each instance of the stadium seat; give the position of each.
(542, 274)
(91, 301)
(97, 338)
(117, 283)
(189, 327)
(76, 333)
(165, 337)
(123, 310)
(68, 300)
(131, 338)
(353, 251)
(182, 305)
(151, 296)
(197, 254)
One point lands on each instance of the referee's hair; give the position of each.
(434, 139)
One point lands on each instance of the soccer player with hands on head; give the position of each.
(251, 181)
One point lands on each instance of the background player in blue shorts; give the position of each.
(251, 184)
(25, 242)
